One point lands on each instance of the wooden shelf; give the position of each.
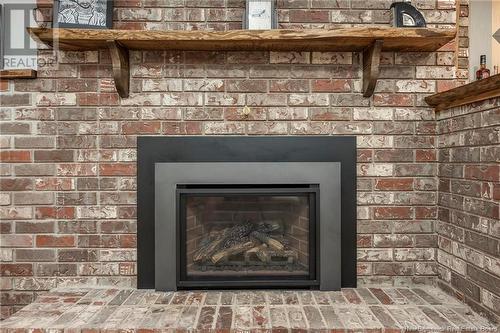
(473, 92)
(369, 40)
(340, 39)
(10, 74)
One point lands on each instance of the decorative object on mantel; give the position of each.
(86, 14)
(482, 72)
(404, 15)
(369, 40)
(473, 92)
(260, 15)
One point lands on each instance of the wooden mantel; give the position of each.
(473, 92)
(369, 40)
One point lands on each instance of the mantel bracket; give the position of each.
(121, 67)
(371, 62)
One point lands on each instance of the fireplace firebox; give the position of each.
(252, 232)
(246, 212)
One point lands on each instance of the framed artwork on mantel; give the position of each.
(84, 14)
(260, 15)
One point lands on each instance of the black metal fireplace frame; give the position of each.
(152, 150)
(313, 192)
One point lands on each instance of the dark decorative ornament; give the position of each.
(404, 15)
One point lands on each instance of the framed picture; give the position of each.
(260, 15)
(90, 14)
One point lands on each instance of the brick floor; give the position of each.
(368, 310)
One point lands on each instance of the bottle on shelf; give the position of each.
(495, 70)
(482, 72)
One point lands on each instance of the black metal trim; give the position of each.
(313, 284)
(153, 150)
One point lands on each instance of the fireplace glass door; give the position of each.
(247, 234)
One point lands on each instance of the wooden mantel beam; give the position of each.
(369, 40)
(371, 67)
(121, 67)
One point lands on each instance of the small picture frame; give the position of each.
(260, 15)
(84, 14)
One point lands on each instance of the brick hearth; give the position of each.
(428, 184)
(354, 310)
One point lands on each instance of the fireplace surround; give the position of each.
(246, 212)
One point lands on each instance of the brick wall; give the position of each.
(468, 226)
(69, 142)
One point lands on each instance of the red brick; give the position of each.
(13, 240)
(16, 298)
(364, 240)
(54, 184)
(16, 184)
(54, 155)
(324, 85)
(75, 85)
(364, 155)
(78, 170)
(315, 16)
(128, 241)
(62, 213)
(392, 100)
(98, 99)
(289, 86)
(394, 184)
(4, 85)
(127, 212)
(489, 173)
(392, 212)
(425, 155)
(496, 191)
(117, 169)
(425, 212)
(182, 128)
(55, 241)
(12, 156)
(393, 155)
(13, 128)
(15, 100)
(255, 86)
(5, 227)
(35, 227)
(444, 85)
(16, 269)
(141, 127)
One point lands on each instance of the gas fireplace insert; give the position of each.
(246, 212)
(256, 233)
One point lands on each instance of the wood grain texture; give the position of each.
(337, 39)
(121, 67)
(371, 63)
(8, 74)
(473, 92)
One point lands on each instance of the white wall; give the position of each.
(480, 35)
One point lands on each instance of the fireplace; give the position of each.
(245, 212)
(253, 232)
